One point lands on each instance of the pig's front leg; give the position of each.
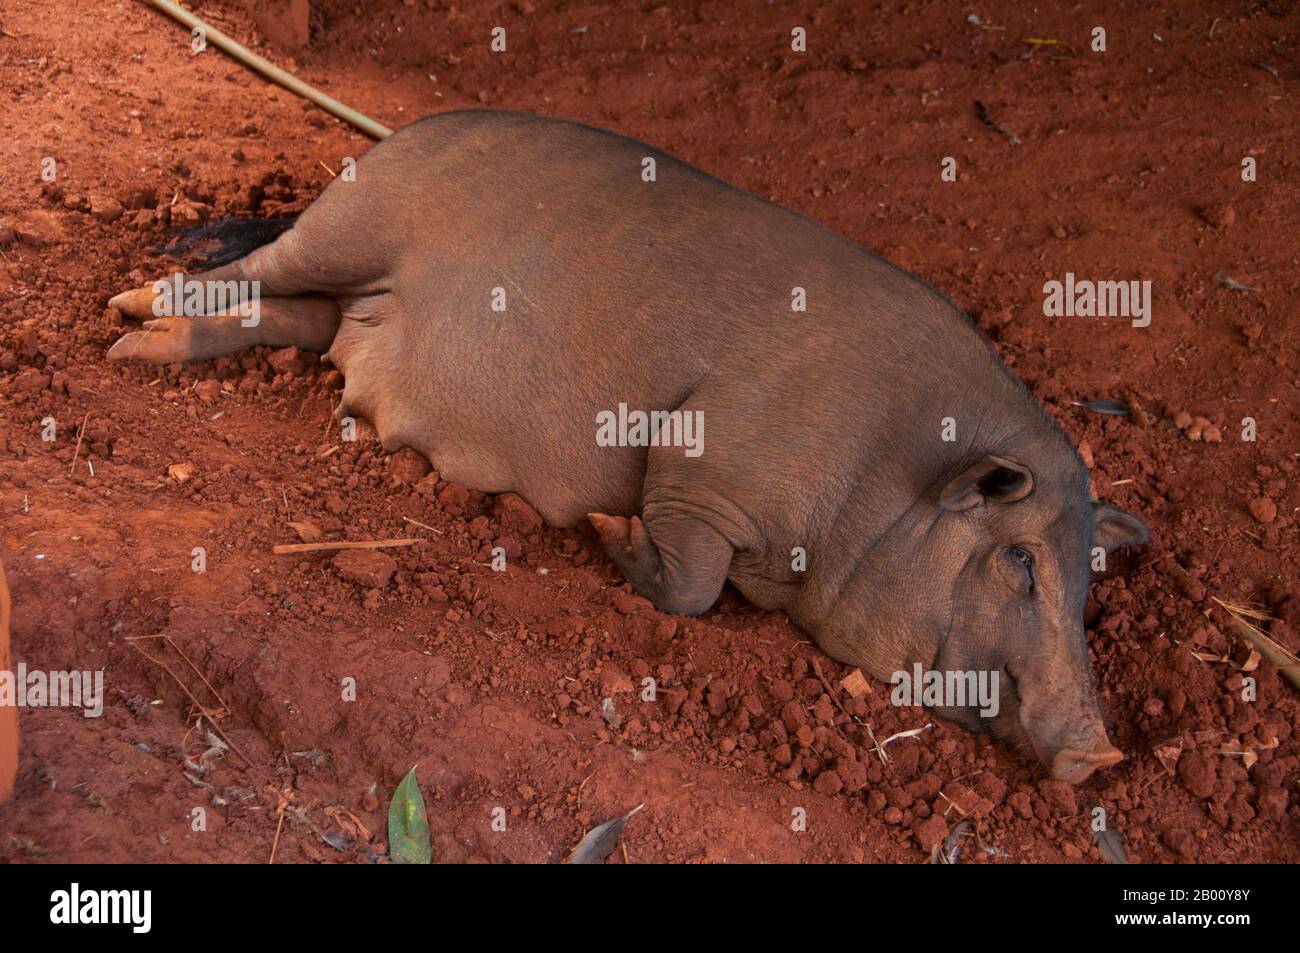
(674, 559)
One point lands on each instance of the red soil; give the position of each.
(1128, 167)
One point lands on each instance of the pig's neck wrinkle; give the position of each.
(860, 524)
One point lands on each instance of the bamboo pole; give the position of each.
(266, 68)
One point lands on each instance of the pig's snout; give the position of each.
(1060, 716)
(1075, 765)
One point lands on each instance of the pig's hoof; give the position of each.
(137, 303)
(628, 544)
(614, 531)
(163, 341)
(1075, 766)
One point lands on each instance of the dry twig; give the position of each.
(341, 544)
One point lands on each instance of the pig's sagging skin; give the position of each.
(823, 428)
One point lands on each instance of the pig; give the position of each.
(500, 289)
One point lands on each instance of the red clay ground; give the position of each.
(1128, 167)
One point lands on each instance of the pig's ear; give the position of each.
(992, 480)
(1113, 528)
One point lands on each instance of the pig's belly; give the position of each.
(561, 472)
(499, 408)
(509, 401)
(563, 484)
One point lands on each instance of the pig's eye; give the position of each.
(1025, 559)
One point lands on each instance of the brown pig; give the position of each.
(529, 302)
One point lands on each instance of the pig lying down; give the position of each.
(494, 286)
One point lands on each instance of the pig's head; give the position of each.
(1022, 551)
(988, 573)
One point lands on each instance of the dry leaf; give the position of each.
(180, 472)
(610, 714)
(1258, 745)
(1247, 755)
(1116, 408)
(1111, 845)
(349, 822)
(216, 749)
(1232, 284)
(906, 734)
(952, 844)
(1168, 753)
(1277, 653)
(339, 841)
(307, 531)
(600, 840)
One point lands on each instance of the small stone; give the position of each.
(181, 472)
(308, 532)
(105, 208)
(1263, 509)
(30, 380)
(1196, 771)
(930, 831)
(828, 784)
(286, 359)
(365, 567)
(1220, 214)
(408, 466)
(1059, 795)
(454, 497)
(1196, 431)
(142, 198)
(629, 603)
(613, 681)
(208, 390)
(1272, 804)
(514, 512)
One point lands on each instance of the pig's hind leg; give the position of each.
(292, 307)
(673, 558)
(307, 322)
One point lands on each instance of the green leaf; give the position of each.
(408, 824)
